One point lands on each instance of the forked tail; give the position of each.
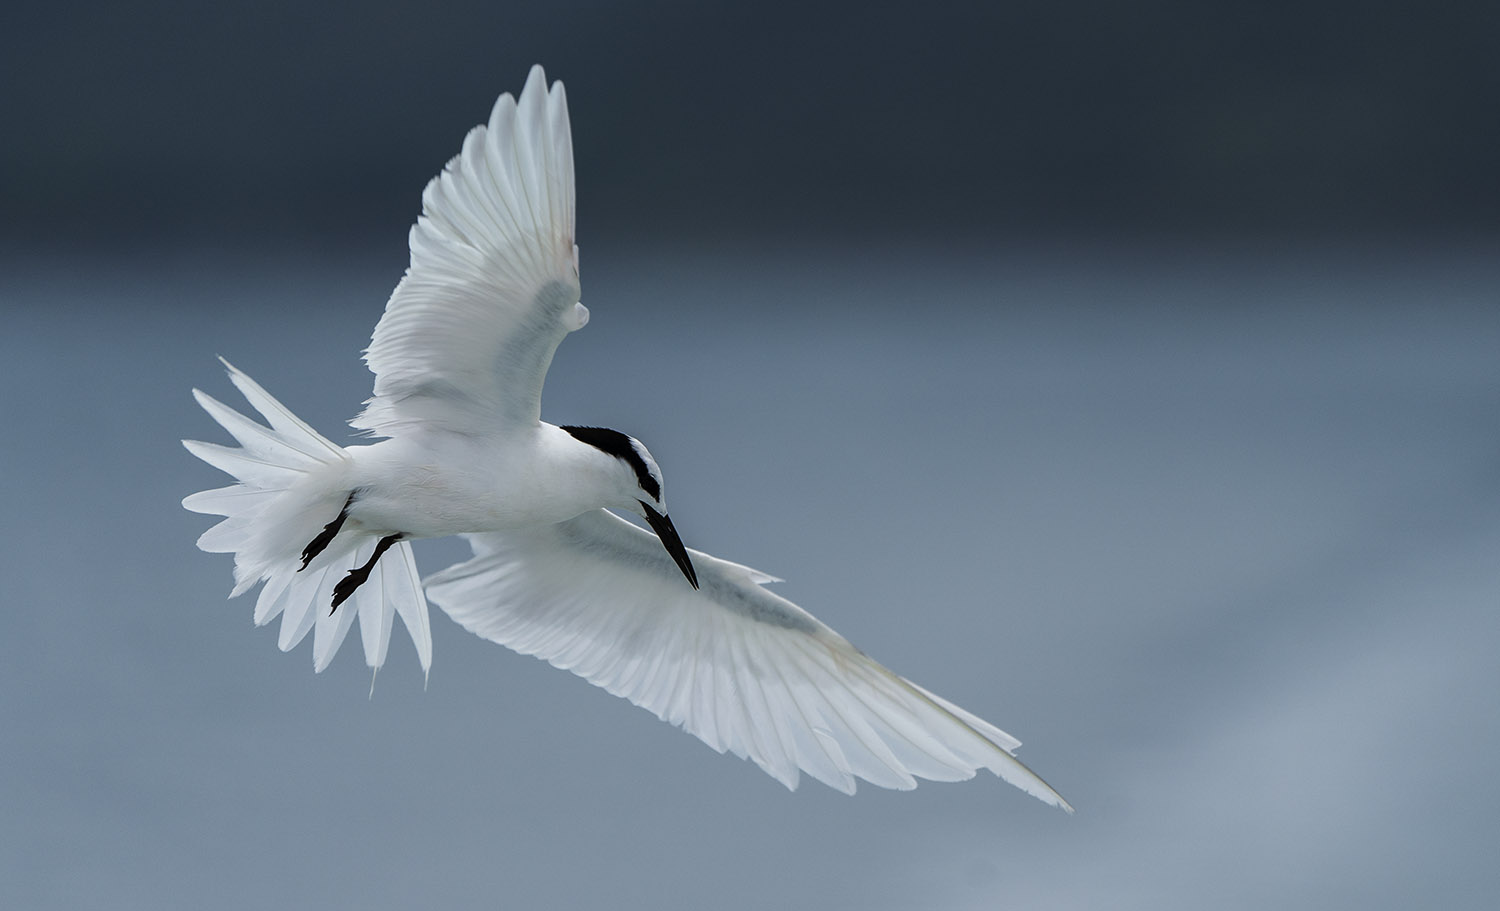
(292, 482)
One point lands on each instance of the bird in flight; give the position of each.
(459, 358)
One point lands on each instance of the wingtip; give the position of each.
(536, 81)
(1037, 787)
(1056, 800)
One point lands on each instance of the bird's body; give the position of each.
(538, 476)
(460, 357)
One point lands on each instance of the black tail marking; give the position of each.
(325, 537)
(358, 577)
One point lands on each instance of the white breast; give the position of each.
(435, 484)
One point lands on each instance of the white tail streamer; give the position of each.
(292, 481)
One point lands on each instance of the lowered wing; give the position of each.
(739, 667)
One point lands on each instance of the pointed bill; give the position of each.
(669, 539)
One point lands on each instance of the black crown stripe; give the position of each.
(618, 445)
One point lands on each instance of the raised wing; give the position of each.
(469, 332)
(732, 663)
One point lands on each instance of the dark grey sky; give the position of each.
(278, 117)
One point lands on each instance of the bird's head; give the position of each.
(643, 490)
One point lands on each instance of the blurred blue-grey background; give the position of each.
(1129, 374)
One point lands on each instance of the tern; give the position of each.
(459, 358)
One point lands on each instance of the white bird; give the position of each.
(459, 358)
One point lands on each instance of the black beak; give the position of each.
(664, 530)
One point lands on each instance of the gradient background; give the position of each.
(1126, 374)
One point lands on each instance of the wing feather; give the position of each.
(492, 289)
(741, 668)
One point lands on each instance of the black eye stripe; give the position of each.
(618, 445)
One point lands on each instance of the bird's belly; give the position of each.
(433, 511)
(430, 499)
